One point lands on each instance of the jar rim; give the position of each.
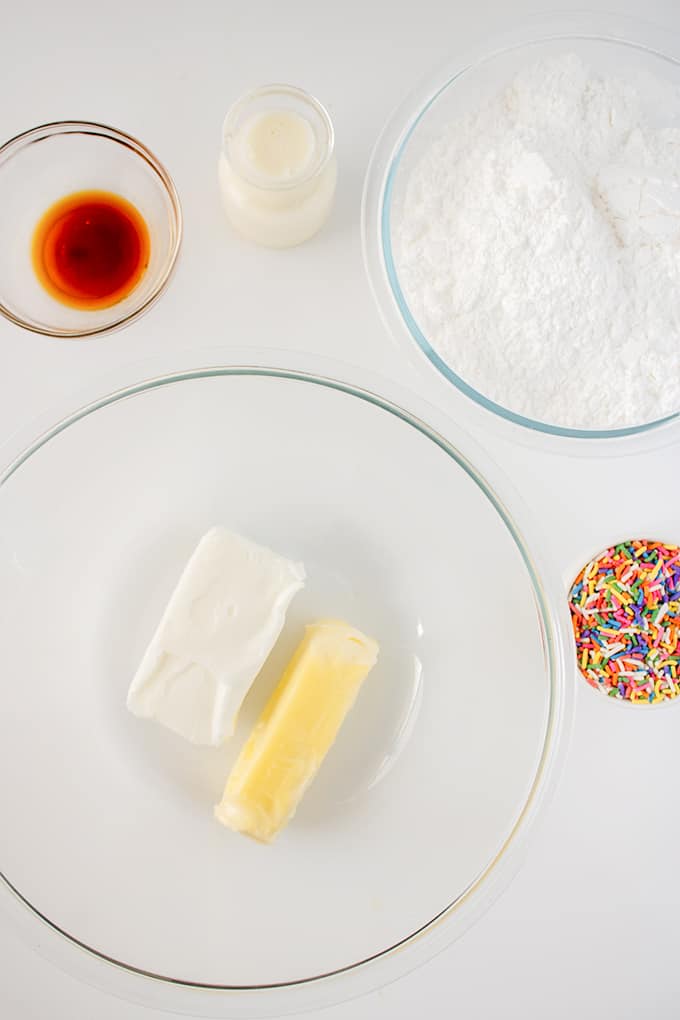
(305, 99)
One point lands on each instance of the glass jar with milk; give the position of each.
(277, 167)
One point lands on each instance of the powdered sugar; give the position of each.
(537, 244)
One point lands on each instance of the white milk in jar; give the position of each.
(277, 168)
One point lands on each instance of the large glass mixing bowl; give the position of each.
(422, 810)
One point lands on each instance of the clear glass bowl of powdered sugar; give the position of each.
(522, 226)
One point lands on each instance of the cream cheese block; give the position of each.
(220, 624)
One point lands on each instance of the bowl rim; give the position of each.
(609, 28)
(161, 991)
(15, 145)
(274, 90)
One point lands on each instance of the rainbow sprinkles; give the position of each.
(625, 611)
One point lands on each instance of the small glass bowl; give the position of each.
(42, 165)
(608, 42)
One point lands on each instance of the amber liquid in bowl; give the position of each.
(90, 249)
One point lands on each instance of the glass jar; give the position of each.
(277, 168)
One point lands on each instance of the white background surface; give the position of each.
(589, 927)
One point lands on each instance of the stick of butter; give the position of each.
(296, 729)
(220, 625)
